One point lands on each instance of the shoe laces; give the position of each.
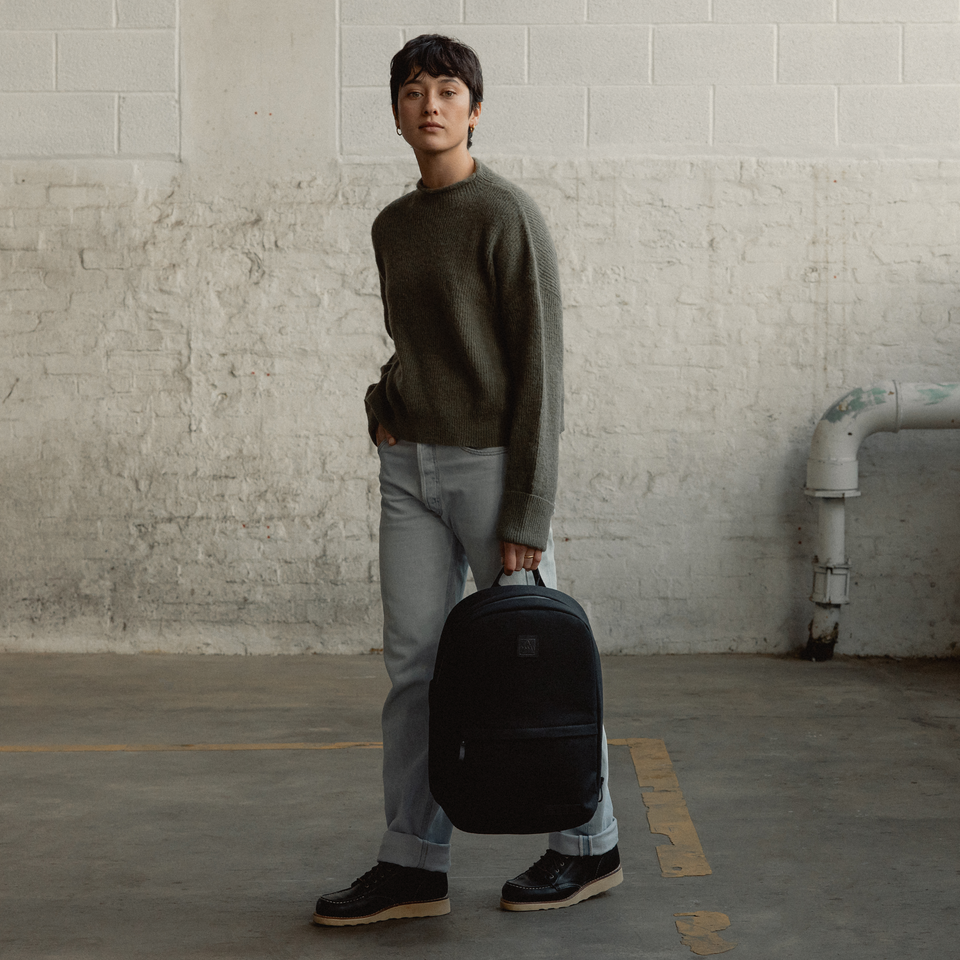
(548, 866)
(377, 873)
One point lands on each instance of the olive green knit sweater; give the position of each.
(471, 297)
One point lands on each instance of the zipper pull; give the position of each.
(463, 749)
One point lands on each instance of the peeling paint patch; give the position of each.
(666, 809)
(855, 402)
(702, 933)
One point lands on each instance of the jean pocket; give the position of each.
(485, 451)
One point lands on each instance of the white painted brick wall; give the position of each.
(910, 114)
(555, 116)
(718, 53)
(648, 11)
(149, 124)
(182, 361)
(50, 124)
(27, 62)
(773, 11)
(793, 115)
(367, 128)
(626, 117)
(898, 11)
(146, 14)
(525, 11)
(592, 55)
(751, 59)
(120, 60)
(185, 461)
(378, 12)
(734, 47)
(364, 51)
(63, 52)
(932, 54)
(56, 14)
(840, 54)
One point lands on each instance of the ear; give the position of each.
(396, 119)
(476, 112)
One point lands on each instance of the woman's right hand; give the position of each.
(384, 434)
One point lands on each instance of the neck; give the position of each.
(443, 170)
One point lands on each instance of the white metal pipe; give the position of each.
(830, 532)
(833, 476)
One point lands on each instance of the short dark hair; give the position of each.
(437, 56)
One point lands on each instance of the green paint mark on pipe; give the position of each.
(856, 401)
(937, 392)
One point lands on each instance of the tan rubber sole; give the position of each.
(402, 911)
(584, 893)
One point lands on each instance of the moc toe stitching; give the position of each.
(570, 880)
(386, 892)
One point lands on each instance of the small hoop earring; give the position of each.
(399, 132)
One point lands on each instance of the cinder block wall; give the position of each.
(89, 78)
(755, 203)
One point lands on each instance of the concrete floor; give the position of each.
(824, 795)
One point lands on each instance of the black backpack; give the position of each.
(516, 712)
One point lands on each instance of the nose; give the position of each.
(430, 103)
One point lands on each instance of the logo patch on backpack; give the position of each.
(528, 646)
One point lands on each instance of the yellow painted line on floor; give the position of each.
(184, 747)
(702, 933)
(667, 811)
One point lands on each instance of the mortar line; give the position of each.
(776, 54)
(651, 75)
(178, 54)
(903, 51)
(338, 80)
(526, 54)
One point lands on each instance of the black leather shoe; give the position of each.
(556, 880)
(387, 892)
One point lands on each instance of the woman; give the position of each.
(467, 417)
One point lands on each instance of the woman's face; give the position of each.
(433, 113)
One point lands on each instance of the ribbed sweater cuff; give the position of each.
(525, 519)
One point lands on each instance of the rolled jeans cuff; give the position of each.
(407, 850)
(571, 845)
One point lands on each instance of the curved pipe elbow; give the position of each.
(832, 469)
(832, 466)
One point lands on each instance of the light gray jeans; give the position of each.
(439, 511)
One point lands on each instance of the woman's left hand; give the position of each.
(515, 556)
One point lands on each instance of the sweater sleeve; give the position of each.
(372, 419)
(532, 316)
(369, 398)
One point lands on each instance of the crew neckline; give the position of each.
(423, 188)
